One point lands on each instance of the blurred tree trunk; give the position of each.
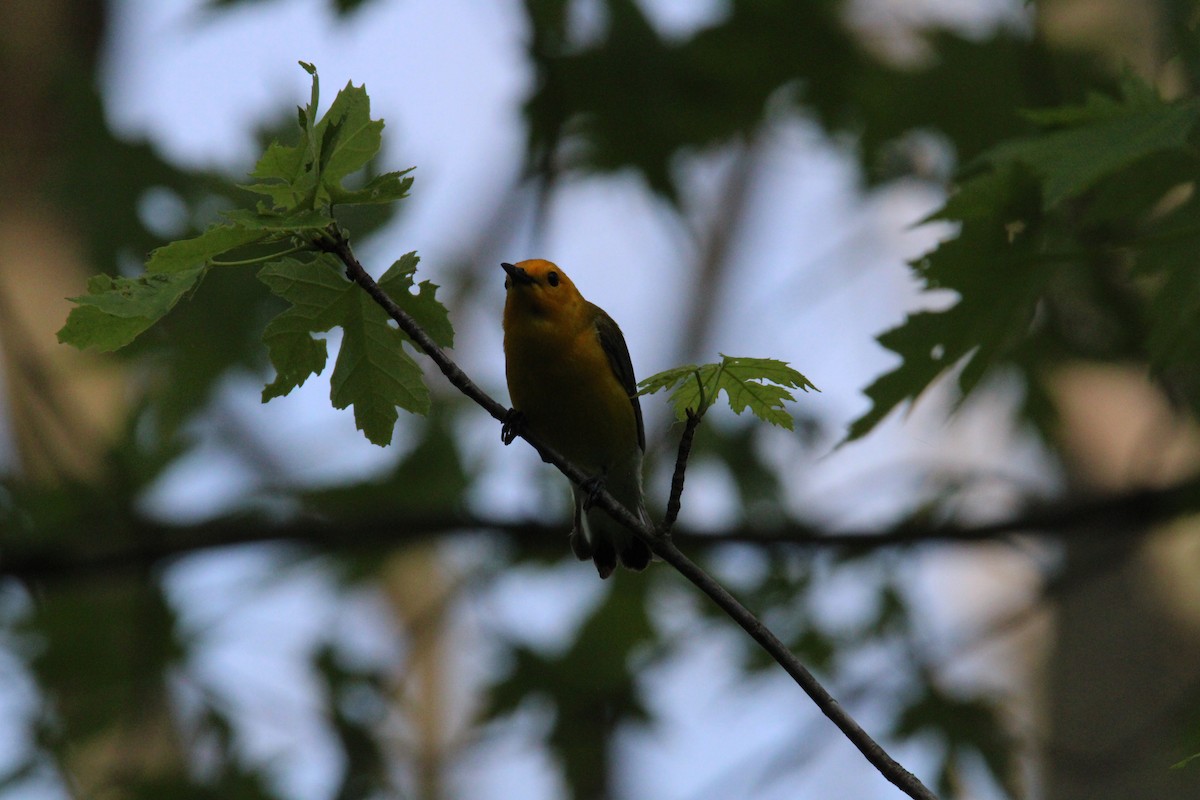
(63, 407)
(420, 593)
(1122, 677)
(1123, 674)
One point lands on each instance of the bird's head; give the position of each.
(539, 287)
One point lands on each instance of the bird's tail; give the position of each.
(599, 537)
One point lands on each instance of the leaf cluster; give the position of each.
(299, 188)
(1073, 241)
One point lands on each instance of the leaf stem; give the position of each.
(260, 259)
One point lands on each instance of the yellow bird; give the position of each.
(571, 383)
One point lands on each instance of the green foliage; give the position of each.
(124, 632)
(1049, 215)
(358, 706)
(591, 687)
(373, 372)
(1186, 762)
(635, 98)
(1083, 144)
(302, 184)
(133, 305)
(759, 384)
(429, 481)
(995, 268)
(963, 725)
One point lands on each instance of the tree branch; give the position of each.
(337, 244)
(132, 545)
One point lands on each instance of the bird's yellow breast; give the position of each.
(560, 378)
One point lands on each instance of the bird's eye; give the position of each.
(552, 278)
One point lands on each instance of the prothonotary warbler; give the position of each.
(571, 383)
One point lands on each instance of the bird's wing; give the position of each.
(613, 343)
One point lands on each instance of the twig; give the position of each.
(685, 451)
(874, 753)
(337, 244)
(681, 459)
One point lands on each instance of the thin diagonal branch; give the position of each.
(337, 244)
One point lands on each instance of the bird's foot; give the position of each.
(512, 426)
(591, 489)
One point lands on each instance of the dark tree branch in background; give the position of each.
(335, 242)
(135, 544)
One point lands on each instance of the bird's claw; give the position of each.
(592, 488)
(512, 426)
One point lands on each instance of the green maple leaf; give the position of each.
(302, 182)
(115, 311)
(349, 137)
(199, 250)
(386, 188)
(996, 266)
(309, 174)
(1123, 153)
(423, 307)
(1098, 138)
(373, 372)
(762, 385)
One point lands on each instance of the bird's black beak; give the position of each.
(519, 276)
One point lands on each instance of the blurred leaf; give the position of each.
(735, 446)
(201, 342)
(892, 614)
(1165, 264)
(431, 479)
(997, 267)
(1185, 762)
(633, 98)
(963, 725)
(1099, 138)
(591, 686)
(358, 708)
(102, 179)
(124, 632)
(941, 93)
